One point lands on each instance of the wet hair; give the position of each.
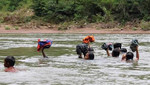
(116, 52)
(91, 55)
(9, 61)
(124, 50)
(129, 55)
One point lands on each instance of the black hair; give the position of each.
(129, 55)
(10, 61)
(91, 55)
(124, 50)
(116, 52)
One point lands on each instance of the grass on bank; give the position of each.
(7, 28)
(145, 26)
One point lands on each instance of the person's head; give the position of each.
(89, 55)
(9, 61)
(129, 56)
(116, 52)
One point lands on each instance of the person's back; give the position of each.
(43, 45)
(87, 52)
(82, 48)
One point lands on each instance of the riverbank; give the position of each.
(75, 30)
(83, 30)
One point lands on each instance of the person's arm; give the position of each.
(107, 51)
(137, 53)
(123, 57)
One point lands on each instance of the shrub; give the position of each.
(7, 28)
(145, 26)
(16, 28)
(64, 26)
(65, 10)
(134, 28)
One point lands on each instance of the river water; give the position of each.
(63, 66)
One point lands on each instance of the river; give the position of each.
(63, 66)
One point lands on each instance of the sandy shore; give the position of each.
(81, 30)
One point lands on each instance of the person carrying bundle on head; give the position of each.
(116, 49)
(43, 45)
(129, 55)
(88, 39)
(85, 49)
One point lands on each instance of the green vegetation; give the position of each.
(7, 28)
(134, 28)
(145, 26)
(92, 10)
(77, 11)
(16, 28)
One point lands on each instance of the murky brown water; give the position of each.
(64, 68)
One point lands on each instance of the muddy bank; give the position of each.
(75, 30)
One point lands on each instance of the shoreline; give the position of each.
(74, 31)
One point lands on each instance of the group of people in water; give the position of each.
(116, 48)
(85, 49)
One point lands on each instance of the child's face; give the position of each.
(6, 64)
(87, 56)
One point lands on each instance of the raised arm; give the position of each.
(137, 53)
(123, 57)
(107, 51)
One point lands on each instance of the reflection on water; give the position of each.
(63, 66)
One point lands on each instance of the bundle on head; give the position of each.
(107, 46)
(117, 45)
(133, 44)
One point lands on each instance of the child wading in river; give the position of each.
(43, 45)
(85, 49)
(9, 63)
(129, 56)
